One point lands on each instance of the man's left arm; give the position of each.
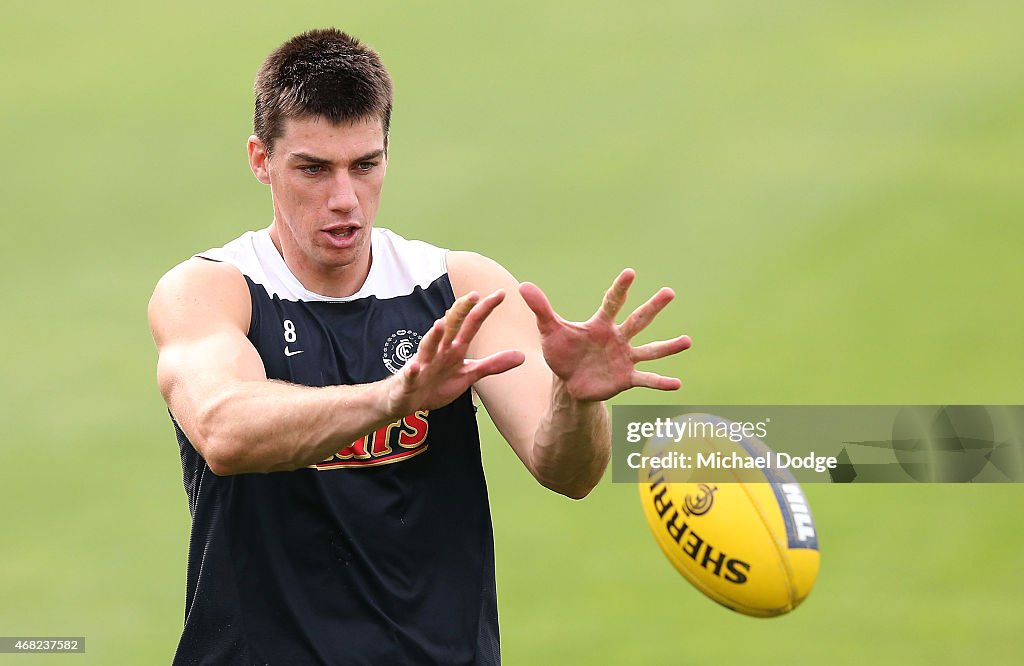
(551, 409)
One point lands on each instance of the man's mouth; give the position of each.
(341, 236)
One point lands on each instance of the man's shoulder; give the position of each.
(251, 256)
(475, 270)
(198, 272)
(197, 275)
(198, 295)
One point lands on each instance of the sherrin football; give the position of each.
(749, 543)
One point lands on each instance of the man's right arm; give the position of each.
(216, 387)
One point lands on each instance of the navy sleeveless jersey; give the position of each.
(382, 553)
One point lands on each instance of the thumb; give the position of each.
(539, 304)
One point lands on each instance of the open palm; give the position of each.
(595, 358)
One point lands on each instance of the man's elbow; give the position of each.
(573, 489)
(220, 461)
(220, 451)
(577, 493)
(573, 482)
(221, 443)
(229, 456)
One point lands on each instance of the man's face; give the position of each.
(326, 181)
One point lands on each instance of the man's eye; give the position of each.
(366, 166)
(312, 169)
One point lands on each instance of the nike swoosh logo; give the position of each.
(292, 353)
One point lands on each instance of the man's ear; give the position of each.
(259, 159)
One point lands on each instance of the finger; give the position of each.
(654, 381)
(660, 349)
(541, 306)
(475, 319)
(616, 295)
(495, 364)
(429, 344)
(456, 315)
(645, 314)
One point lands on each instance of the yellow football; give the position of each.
(749, 543)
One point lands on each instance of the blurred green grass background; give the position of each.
(834, 190)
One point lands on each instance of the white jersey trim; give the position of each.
(398, 266)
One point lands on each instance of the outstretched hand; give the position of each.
(594, 358)
(440, 371)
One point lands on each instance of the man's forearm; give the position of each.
(572, 444)
(267, 426)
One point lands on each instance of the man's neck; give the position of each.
(334, 281)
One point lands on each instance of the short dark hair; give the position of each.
(321, 72)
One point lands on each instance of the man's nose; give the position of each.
(343, 195)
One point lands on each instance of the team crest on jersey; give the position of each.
(396, 441)
(399, 348)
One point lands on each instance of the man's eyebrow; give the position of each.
(306, 157)
(369, 156)
(313, 159)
